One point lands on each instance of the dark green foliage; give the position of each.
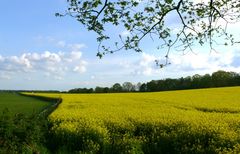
(101, 90)
(143, 87)
(81, 90)
(86, 140)
(217, 79)
(25, 133)
(21, 133)
(117, 87)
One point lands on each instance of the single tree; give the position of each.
(137, 86)
(116, 87)
(127, 86)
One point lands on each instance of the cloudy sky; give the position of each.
(40, 51)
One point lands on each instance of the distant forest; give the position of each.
(217, 79)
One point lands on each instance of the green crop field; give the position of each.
(188, 121)
(16, 103)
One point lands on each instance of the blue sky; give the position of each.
(41, 51)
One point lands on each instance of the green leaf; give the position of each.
(168, 1)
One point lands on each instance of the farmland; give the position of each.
(16, 103)
(188, 121)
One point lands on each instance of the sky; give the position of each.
(42, 52)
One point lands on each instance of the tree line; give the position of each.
(30, 91)
(217, 79)
(117, 87)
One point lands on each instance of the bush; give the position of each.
(22, 134)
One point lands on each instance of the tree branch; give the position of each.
(99, 13)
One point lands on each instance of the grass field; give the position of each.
(17, 103)
(188, 121)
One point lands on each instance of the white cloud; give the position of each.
(147, 60)
(50, 64)
(146, 65)
(1, 59)
(76, 55)
(51, 57)
(81, 68)
(205, 61)
(147, 71)
(34, 56)
(54, 65)
(189, 63)
(17, 63)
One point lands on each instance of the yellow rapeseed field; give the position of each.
(187, 121)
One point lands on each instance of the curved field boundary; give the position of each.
(49, 109)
